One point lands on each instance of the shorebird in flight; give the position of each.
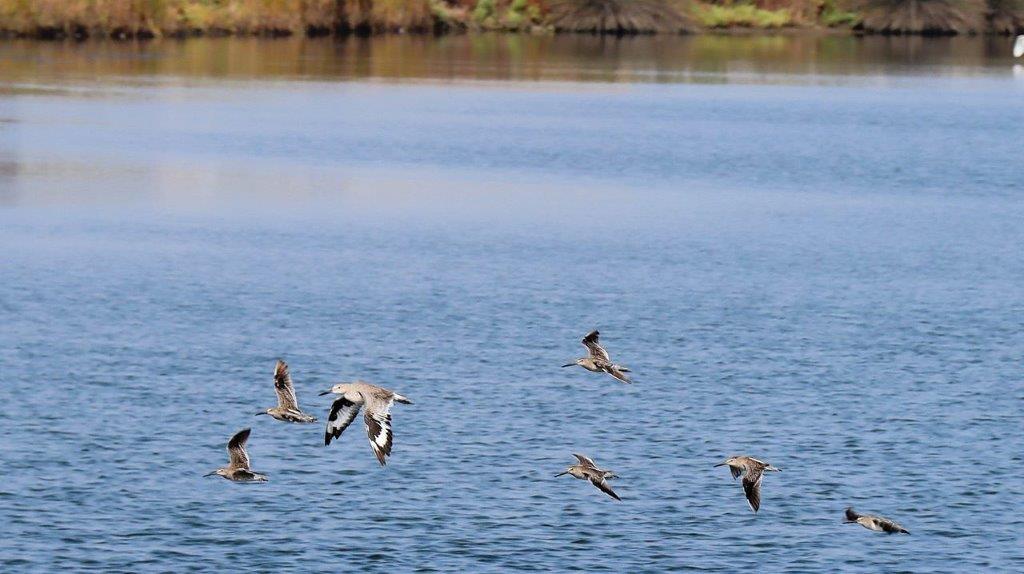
(238, 461)
(753, 471)
(872, 522)
(377, 417)
(599, 361)
(587, 470)
(287, 408)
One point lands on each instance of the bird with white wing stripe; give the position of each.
(377, 402)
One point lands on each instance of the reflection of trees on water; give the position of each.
(496, 56)
(8, 173)
(8, 163)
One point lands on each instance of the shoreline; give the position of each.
(182, 19)
(794, 31)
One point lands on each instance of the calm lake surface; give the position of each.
(807, 249)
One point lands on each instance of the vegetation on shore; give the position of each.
(1005, 16)
(923, 16)
(149, 18)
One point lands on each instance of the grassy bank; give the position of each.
(149, 18)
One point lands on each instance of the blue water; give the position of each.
(827, 275)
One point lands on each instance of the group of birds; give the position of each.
(355, 396)
(376, 403)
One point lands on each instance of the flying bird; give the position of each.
(872, 522)
(587, 470)
(598, 360)
(377, 415)
(287, 408)
(238, 461)
(753, 471)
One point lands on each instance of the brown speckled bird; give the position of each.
(753, 471)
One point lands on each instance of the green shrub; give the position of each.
(484, 9)
(742, 16)
(834, 15)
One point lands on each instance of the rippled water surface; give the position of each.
(806, 249)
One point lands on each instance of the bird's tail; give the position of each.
(773, 468)
(402, 399)
(621, 368)
(619, 373)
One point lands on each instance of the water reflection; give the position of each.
(136, 131)
(706, 58)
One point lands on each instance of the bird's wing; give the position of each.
(595, 348)
(283, 386)
(736, 471)
(602, 485)
(890, 526)
(752, 488)
(245, 474)
(585, 460)
(343, 411)
(378, 428)
(236, 450)
(614, 371)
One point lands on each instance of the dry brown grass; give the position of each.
(385, 15)
(1005, 16)
(617, 16)
(78, 17)
(922, 16)
(142, 18)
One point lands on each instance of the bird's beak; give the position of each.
(209, 474)
(258, 414)
(561, 473)
(327, 392)
(719, 464)
(569, 365)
